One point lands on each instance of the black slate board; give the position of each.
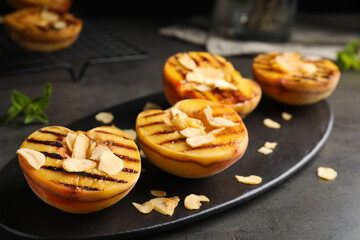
(299, 139)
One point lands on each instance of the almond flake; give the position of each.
(175, 111)
(194, 123)
(224, 85)
(59, 25)
(104, 117)
(216, 130)
(130, 133)
(222, 122)
(165, 206)
(144, 208)
(175, 200)
(286, 116)
(179, 121)
(271, 124)
(252, 179)
(192, 132)
(200, 140)
(210, 72)
(70, 139)
(99, 149)
(158, 193)
(110, 163)
(193, 201)
(208, 113)
(78, 165)
(194, 77)
(271, 145)
(326, 173)
(35, 158)
(49, 16)
(265, 150)
(80, 147)
(187, 61)
(90, 149)
(202, 88)
(151, 106)
(308, 68)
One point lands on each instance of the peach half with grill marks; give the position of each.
(211, 77)
(80, 172)
(195, 138)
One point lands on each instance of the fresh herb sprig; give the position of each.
(349, 58)
(32, 107)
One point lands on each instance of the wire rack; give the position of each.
(95, 45)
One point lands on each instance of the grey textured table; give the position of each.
(302, 207)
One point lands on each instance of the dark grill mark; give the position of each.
(129, 170)
(50, 143)
(152, 124)
(53, 133)
(127, 158)
(77, 187)
(53, 155)
(154, 114)
(84, 174)
(110, 133)
(110, 143)
(163, 132)
(173, 141)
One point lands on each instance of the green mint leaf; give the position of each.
(11, 114)
(349, 58)
(44, 101)
(19, 100)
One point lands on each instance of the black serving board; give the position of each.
(299, 139)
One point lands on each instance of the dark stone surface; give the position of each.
(303, 207)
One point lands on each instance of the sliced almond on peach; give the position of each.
(179, 122)
(194, 123)
(200, 140)
(144, 208)
(192, 132)
(158, 193)
(210, 72)
(326, 173)
(99, 149)
(208, 113)
(224, 85)
(69, 140)
(59, 25)
(187, 61)
(222, 122)
(216, 130)
(104, 117)
(78, 165)
(252, 179)
(110, 163)
(193, 201)
(175, 111)
(194, 77)
(202, 88)
(80, 147)
(34, 158)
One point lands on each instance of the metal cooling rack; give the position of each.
(95, 45)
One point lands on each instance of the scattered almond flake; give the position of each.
(271, 145)
(130, 132)
(187, 61)
(179, 121)
(194, 123)
(90, 149)
(151, 106)
(210, 72)
(34, 158)
(165, 206)
(59, 25)
(265, 150)
(326, 173)
(192, 132)
(216, 130)
(142, 154)
(78, 165)
(252, 179)
(202, 88)
(49, 16)
(99, 149)
(224, 85)
(175, 111)
(158, 193)
(80, 147)
(144, 208)
(222, 122)
(208, 113)
(200, 140)
(175, 200)
(286, 116)
(104, 117)
(308, 68)
(271, 124)
(194, 77)
(193, 201)
(110, 163)
(70, 139)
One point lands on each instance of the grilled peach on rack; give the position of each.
(205, 76)
(291, 79)
(80, 172)
(193, 139)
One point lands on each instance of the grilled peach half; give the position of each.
(291, 79)
(195, 138)
(211, 77)
(80, 172)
